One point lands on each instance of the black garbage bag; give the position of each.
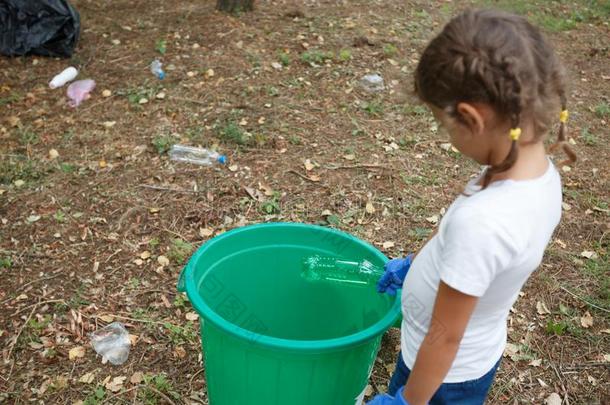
(41, 27)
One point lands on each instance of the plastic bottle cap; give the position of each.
(161, 75)
(222, 159)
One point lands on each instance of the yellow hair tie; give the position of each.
(515, 133)
(563, 116)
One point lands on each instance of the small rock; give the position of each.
(191, 74)
(53, 154)
(109, 124)
(209, 73)
(116, 42)
(277, 66)
(143, 101)
(160, 96)
(196, 46)
(106, 93)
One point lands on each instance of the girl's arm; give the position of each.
(452, 310)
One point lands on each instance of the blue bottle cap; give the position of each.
(161, 75)
(222, 159)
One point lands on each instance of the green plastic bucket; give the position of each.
(271, 337)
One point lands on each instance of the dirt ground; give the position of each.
(96, 221)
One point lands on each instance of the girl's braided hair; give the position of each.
(500, 59)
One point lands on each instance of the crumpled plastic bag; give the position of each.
(79, 91)
(112, 343)
(41, 27)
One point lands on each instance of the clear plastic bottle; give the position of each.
(325, 268)
(156, 67)
(372, 83)
(198, 156)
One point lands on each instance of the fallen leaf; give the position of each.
(33, 218)
(368, 391)
(511, 350)
(143, 100)
(326, 213)
(19, 183)
(566, 169)
(116, 384)
(145, 255)
(13, 121)
(109, 124)
(592, 380)
(542, 383)
(206, 232)
(314, 177)
(370, 208)
(589, 254)
(566, 206)
(209, 73)
(446, 146)
(553, 399)
(180, 352)
(606, 358)
(160, 96)
(106, 93)
(542, 309)
(87, 378)
(76, 352)
(138, 262)
(233, 168)
(586, 321)
(276, 65)
(163, 261)
(388, 244)
(103, 164)
(53, 154)
(137, 377)
(106, 318)
(535, 363)
(133, 339)
(606, 331)
(350, 156)
(433, 219)
(191, 316)
(308, 165)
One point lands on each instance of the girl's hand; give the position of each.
(395, 273)
(386, 399)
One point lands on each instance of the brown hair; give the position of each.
(502, 60)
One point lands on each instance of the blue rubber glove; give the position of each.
(395, 273)
(386, 399)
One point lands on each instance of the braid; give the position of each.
(510, 96)
(561, 135)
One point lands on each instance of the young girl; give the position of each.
(493, 82)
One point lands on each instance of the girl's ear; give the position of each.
(472, 117)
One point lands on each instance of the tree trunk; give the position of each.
(235, 6)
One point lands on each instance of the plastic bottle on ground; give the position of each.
(198, 156)
(156, 67)
(67, 75)
(324, 268)
(112, 343)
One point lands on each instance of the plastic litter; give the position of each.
(112, 343)
(79, 91)
(324, 268)
(156, 68)
(64, 77)
(40, 27)
(373, 83)
(198, 156)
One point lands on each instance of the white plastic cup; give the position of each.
(64, 77)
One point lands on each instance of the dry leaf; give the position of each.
(592, 380)
(191, 316)
(180, 352)
(589, 254)
(542, 309)
(308, 165)
(326, 213)
(53, 154)
(163, 261)
(350, 156)
(109, 124)
(511, 350)
(133, 339)
(388, 244)
(553, 399)
(76, 352)
(160, 96)
(206, 232)
(116, 384)
(606, 331)
(370, 208)
(433, 219)
(106, 93)
(233, 168)
(145, 255)
(314, 177)
(103, 164)
(566, 206)
(138, 262)
(87, 378)
(19, 183)
(137, 377)
(368, 391)
(607, 358)
(586, 321)
(535, 363)
(106, 318)
(542, 383)
(13, 121)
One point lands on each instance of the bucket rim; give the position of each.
(209, 315)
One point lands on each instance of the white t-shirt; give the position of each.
(487, 245)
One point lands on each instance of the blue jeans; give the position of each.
(473, 392)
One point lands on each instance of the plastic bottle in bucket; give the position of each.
(331, 269)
